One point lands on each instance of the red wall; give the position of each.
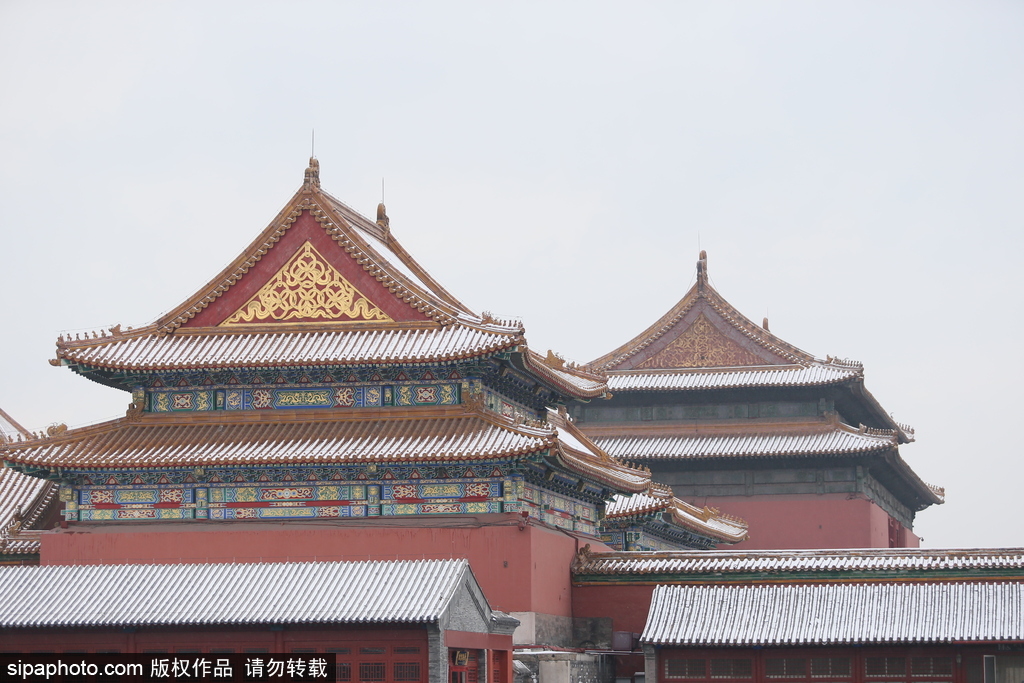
(203, 639)
(627, 605)
(800, 522)
(519, 570)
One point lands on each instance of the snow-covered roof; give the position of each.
(844, 613)
(719, 565)
(206, 594)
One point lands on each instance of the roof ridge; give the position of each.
(440, 306)
(703, 291)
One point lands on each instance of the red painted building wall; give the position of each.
(396, 653)
(819, 522)
(627, 605)
(521, 567)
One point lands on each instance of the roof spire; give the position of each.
(312, 179)
(702, 270)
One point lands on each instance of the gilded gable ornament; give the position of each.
(701, 345)
(307, 288)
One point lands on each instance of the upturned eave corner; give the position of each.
(563, 377)
(904, 432)
(927, 494)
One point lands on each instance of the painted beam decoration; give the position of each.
(293, 396)
(317, 492)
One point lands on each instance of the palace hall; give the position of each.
(325, 450)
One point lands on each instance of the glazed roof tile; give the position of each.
(718, 564)
(813, 374)
(838, 439)
(858, 613)
(219, 594)
(325, 347)
(247, 439)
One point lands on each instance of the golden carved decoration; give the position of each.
(701, 345)
(554, 360)
(307, 287)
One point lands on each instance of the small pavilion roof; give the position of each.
(659, 501)
(703, 343)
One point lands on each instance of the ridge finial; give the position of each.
(382, 217)
(702, 269)
(312, 179)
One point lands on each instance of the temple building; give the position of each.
(732, 417)
(324, 400)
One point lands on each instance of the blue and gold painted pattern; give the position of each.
(321, 492)
(412, 492)
(292, 498)
(560, 510)
(170, 400)
(441, 507)
(295, 475)
(371, 374)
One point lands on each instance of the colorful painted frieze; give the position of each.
(303, 396)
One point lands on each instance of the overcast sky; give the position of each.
(854, 170)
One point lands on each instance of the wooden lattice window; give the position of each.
(885, 667)
(407, 671)
(931, 667)
(831, 667)
(785, 667)
(686, 668)
(732, 667)
(372, 671)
